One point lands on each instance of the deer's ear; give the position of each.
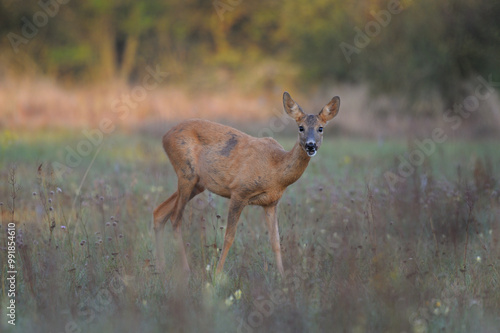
(330, 110)
(292, 109)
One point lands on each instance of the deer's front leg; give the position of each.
(235, 208)
(274, 236)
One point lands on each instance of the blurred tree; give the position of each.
(430, 47)
(434, 46)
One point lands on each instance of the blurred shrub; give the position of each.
(426, 47)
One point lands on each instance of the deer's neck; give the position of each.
(293, 164)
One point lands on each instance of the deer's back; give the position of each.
(225, 159)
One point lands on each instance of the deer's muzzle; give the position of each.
(311, 148)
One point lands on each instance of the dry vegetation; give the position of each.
(36, 103)
(359, 256)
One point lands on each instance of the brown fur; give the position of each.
(232, 164)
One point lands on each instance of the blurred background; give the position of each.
(397, 66)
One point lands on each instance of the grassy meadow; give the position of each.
(359, 255)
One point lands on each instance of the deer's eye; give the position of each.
(301, 128)
(320, 129)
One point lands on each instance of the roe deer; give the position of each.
(242, 168)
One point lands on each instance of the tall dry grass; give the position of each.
(42, 103)
(359, 256)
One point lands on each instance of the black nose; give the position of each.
(310, 145)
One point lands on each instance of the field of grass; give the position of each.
(360, 255)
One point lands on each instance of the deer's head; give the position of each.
(310, 125)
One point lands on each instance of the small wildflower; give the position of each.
(419, 326)
(478, 259)
(115, 224)
(1, 203)
(217, 216)
(100, 241)
(229, 300)
(108, 224)
(50, 200)
(34, 193)
(101, 198)
(97, 233)
(63, 227)
(112, 218)
(110, 239)
(59, 190)
(120, 236)
(51, 192)
(82, 243)
(237, 294)
(188, 244)
(208, 269)
(208, 290)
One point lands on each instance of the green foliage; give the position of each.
(70, 56)
(429, 46)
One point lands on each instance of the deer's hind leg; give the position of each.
(186, 191)
(161, 215)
